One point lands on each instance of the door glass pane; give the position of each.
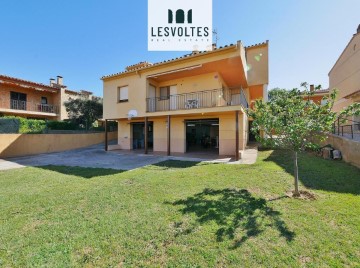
(164, 93)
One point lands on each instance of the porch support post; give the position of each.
(237, 156)
(146, 134)
(106, 135)
(168, 134)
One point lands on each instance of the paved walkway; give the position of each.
(96, 157)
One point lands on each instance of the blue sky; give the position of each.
(84, 40)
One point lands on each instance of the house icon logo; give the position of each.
(179, 16)
(179, 25)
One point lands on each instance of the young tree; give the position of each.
(83, 111)
(291, 121)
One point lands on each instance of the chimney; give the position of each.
(312, 88)
(358, 29)
(52, 82)
(214, 46)
(59, 80)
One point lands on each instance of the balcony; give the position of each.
(33, 108)
(198, 100)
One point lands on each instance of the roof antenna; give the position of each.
(215, 36)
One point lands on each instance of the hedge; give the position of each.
(61, 125)
(29, 126)
(35, 126)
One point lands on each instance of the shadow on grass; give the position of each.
(320, 174)
(86, 173)
(239, 215)
(176, 164)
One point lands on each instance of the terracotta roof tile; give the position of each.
(18, 80)
(178, 58)
(258, 44)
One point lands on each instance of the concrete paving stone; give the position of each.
(96, 157)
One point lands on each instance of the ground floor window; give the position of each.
(202, 135)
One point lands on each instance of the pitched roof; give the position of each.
(322, 91)
(9, 79)
(352, 94)
(143, 66)
(317, 92)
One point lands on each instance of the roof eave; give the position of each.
(164, 63)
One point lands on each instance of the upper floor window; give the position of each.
(123, 94)
(164, 93)
(17, 100)
(44, 100)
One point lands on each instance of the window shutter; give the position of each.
(124, 94)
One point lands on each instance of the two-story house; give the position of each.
(194, 103)
(345, 75)
(317, 95)
(29, 99)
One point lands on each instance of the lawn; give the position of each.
(182, 214)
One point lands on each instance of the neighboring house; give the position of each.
(345, 75)
(194, 103)
(318, 95)
(35, 100)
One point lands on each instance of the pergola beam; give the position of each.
(168, 134)
(146, 130)
(106, 135)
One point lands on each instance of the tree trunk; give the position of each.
(296, 175)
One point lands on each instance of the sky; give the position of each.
(85, 39)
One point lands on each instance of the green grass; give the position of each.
(181, 214)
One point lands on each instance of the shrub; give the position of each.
(61, 125)
(29, 126)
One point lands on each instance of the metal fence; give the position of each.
(349, 129)
(198, 99)
(29, 106)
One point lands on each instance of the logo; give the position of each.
(179, 25)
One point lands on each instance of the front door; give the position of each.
(138, 135)
(202, 136)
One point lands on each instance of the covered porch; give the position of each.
(218, 134)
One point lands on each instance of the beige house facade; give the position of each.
(345, 74)
(195, 103)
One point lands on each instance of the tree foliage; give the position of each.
(84, 112)
(291, 121)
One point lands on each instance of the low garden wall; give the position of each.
(350, 149)
(12, 145)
